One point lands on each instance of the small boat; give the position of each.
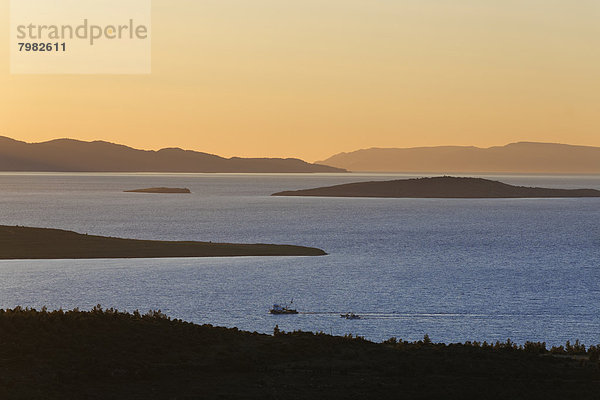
(279, 309)
(350, 316)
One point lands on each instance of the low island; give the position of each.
(161, 190)
(106, 354)
(40, 243)
(439, 187)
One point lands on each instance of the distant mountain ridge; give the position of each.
(522, 157)
(68, 155)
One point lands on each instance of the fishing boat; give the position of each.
(350, 316)
(286, 309)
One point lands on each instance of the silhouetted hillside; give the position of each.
(521, 157)
(105, 354)
(67, 155)
(19, 242)
(440, 187)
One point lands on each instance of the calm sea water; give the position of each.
(525, 269)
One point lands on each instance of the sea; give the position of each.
(455, 269)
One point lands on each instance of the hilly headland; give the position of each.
(439, 187)
(42, 243)
(107, 354)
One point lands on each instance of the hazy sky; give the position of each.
(311, 78)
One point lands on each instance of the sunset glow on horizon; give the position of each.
(313, 78)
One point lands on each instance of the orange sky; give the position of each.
(312, 78)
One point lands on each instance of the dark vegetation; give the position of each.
(105, 354)
(439, 187)
(161, 190)
(40, 243)
(67, 155)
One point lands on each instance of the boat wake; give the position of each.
(379, 315)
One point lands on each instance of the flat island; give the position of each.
(41, 243)
(105, 354)
(161, 190)
(439, 187)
